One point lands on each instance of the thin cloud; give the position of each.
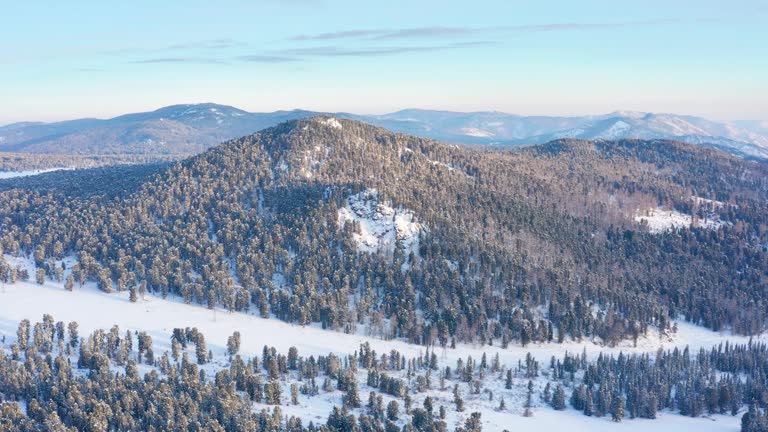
(336, 51)
(348, 34)
(445, 31)
(191, 60)
(430, 32)
(566, 26)
(260, 58)
(209, 44)
(206, 44)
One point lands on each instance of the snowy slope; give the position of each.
(15, 174)
(93, 310)
(660, 220)
(502, 128)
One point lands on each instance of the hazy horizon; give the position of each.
(586, 114)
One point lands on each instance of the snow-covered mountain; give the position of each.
(510, 129)
(191, 128)
(177, 129)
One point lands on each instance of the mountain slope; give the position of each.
(189, 129)
(338, 222)
(177, 129)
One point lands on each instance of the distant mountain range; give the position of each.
(748, 139)
(189, 129)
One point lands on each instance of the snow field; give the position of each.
(93, 309)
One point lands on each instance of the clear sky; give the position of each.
(78, 58)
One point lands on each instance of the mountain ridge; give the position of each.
(185, 129)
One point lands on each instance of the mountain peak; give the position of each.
(199, 110)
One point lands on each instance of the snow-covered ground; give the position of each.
(332, 122)
(475, 132)
(93, 309)
(381, 226)
(618, 129)
(546, 420)
(14, 174)
(660, 220)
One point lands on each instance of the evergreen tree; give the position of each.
(558, 398)
(393, 410)
(617, 408)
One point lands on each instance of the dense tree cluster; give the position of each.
(537, 244)
(114, 383)
(32, 162)
(721, 380)
(112, 380)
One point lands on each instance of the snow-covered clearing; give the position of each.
(15, 174)
(546, 420)
(660, 220)
(332, 122)
(93, 309)
(381, 226)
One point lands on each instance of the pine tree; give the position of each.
(200, 349)
(352, 398)
(428, 405)
(74, 338)
(393, 410)
(233, 343)
(529, 400)
(294, 394)
(617, 408)
(40, 276)
(558, 398)
(22, 334)
(457, 399)
(473, 423)
(588, 405)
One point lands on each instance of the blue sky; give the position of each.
(61, 60)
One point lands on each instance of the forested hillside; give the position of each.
(55, 377)
(342, 223)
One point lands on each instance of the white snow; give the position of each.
(660, 220)
(381, 226)
(616, 130)
(545, 420)
(442, 164)
(93, 309)
(711, 203)
(475, 132)
(15, 174)
(570, 133)
(332, 122)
